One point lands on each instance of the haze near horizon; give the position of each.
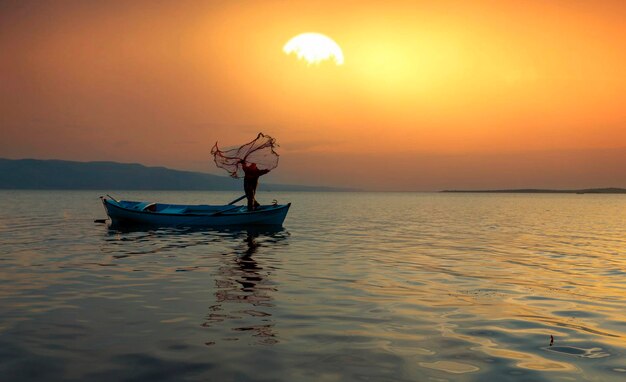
(429, 96)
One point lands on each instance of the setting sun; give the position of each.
(314, 48)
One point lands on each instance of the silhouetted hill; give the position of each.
(609, 190)
(68, 175)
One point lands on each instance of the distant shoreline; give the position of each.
(36, 174)
(610, 190)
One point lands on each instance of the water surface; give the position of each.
(364, 286)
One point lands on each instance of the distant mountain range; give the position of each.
(610, 190)
(67, 175)
(37, 174)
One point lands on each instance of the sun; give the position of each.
(314, 48)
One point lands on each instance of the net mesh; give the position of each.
(260, 151)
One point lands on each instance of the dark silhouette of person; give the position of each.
(251, 181)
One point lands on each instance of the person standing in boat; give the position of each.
(251, 181)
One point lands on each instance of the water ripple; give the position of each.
(385, 287)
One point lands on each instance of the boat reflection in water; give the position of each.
(238, 260)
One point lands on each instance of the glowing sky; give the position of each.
(432, 95)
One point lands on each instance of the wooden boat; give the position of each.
(160, 214)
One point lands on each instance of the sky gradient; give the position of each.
(432, 95)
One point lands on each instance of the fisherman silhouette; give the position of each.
(251, 160)
(251, 181)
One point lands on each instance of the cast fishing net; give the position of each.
(260, 151)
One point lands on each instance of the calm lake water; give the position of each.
(363, 286)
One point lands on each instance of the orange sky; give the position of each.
(437, 94)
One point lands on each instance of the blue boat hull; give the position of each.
(157, 214)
